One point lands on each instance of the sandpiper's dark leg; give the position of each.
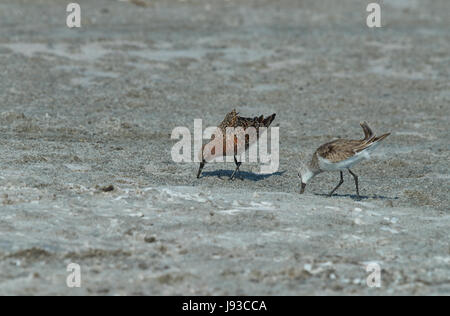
(238, 164)
(356, 182)
(340, 183)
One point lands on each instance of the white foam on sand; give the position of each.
(383, 67)
(402, 4)
(160, 52)
(87, 52)
(254, 206)
(80, 168)
(182, 195)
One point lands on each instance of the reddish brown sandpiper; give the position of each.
(232, 120)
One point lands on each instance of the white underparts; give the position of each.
(327, 165)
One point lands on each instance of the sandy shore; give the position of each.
(83, 109)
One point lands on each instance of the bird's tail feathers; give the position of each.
(268, 120)
(368, 134)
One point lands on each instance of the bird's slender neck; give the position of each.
(313, 164)
(312, 169)
(307, 175)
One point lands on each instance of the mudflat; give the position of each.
(86, 174)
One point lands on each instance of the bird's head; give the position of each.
(305, 174)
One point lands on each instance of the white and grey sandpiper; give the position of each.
(339, 155)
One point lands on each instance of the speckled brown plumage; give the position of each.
(232, 120)
(342, 149)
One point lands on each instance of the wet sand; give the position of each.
(81, 110)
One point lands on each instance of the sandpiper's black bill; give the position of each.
(302, 190)
(202, 164)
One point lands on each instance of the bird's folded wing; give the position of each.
(340, 149)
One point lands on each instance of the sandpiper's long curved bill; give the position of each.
(202, 164)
